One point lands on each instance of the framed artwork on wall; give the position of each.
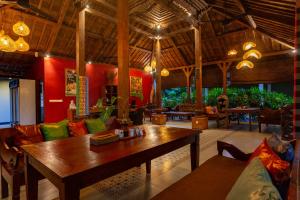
(70, 82)
(136, 87)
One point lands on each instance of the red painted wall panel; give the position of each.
(54, 85)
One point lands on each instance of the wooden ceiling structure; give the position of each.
(225, 24)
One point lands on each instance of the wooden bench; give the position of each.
(215, 177)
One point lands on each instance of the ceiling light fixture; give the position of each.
(252, 53)
(245, 63)
(232, 52)
(21, 29)
(248, 45)
(22, 45)
(164, 72)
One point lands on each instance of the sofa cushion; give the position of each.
(283, 149)
(211, 180)
(254, 183)
(28, 134)
(55, 131)
(95, 125)
(279, 169)
(77, 128)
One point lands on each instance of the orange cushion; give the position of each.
(279, 169)
(77, 128)
(28, 134)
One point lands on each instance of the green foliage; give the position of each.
(106, 111)
(252, 97)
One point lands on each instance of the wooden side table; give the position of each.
(200, 122)
(159, 119)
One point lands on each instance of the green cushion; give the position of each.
(55, 131)
(254, 183)
(95, 125)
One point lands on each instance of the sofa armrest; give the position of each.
(10, 155)
(234, 151)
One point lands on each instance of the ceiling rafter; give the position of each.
(249, 18)
(259, 30)
(57, 27)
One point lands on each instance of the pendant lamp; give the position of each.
(164, 72)
(22, 45)
(252, 53)
(21, 29)
(245, 63)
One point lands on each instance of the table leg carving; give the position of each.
(194, 151)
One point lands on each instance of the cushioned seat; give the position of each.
(212, 180)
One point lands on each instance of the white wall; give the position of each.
(4, 101)
(27, 102)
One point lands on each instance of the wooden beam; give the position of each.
(216, 62)
(249, 17)
(258, 30)
(80, 44)
(177, 50)
(198, 65)
(63, 11)
(188, 71)
(123, 58)
(112, 19)
(224, 67)
(158, 71)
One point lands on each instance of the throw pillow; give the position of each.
(55, 131)
(279, 169)
(95, 125)
(283, 149)
(28, 134)
(77, 128)
(253, 183)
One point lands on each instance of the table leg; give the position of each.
(69, 191)
(31, 180)
(194, 151)
(250, 123)
(148, 167)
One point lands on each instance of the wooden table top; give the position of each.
(67, 157)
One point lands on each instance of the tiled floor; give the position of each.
(135, 184)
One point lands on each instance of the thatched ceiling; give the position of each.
(225, 24)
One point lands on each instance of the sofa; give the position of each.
(215, 178)
(12, 163)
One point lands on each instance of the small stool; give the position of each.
(159, 119)
(200, 122)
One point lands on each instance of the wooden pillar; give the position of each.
(297, 73)
(82, 90)
(188, 71)
(158, 71)
(198, 63)
(123, 59)
(224, 67)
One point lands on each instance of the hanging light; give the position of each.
(245, 63)
(6, 43)
(148, 69)
(248, 45)
(164, 72)
(232, 52)
(21, 45)
(252, 53)
(20, 28)
(153, 63)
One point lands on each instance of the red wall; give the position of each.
(54, 85)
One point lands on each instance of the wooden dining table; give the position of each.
(73, 163)
(240, 110)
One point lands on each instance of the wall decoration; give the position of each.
(70, 79)
(82, 96)
(136, 87)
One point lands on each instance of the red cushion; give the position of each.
(77, 128)
(279, 169)
(28, 134)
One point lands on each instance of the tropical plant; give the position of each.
(106, 111)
